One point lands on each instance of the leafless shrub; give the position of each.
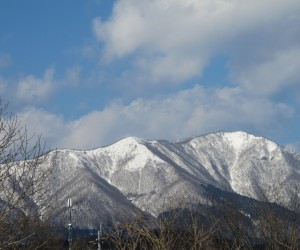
(22, 184)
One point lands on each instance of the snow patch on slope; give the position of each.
(237, 140)
(134, 151)
(271, 146)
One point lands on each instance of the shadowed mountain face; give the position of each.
(135, 176)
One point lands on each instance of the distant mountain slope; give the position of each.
(135, 175)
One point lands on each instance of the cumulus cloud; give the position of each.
(33, 89)
(51, 127)
(186, 113)
(175, 39)
(166, 43)
(271, 76)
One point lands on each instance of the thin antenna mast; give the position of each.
(99, 236)
(70, 222)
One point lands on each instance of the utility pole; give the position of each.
(70, 223)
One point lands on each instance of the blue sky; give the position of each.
(87, 73)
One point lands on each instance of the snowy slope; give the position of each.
(135, 175)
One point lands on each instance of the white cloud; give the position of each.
(33, 89)
(186, 113)
(40, 122)
(175, 39)
(271, 76)
(167, 69)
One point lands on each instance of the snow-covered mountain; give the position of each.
(134, 175)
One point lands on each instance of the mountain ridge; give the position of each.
(135, 176)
